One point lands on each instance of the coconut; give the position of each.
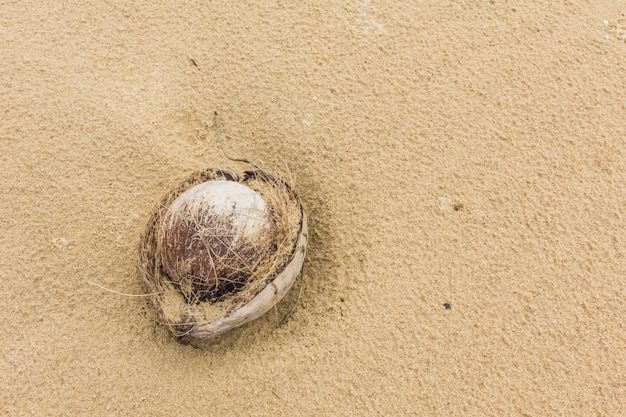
(220, 249)
(213, 238)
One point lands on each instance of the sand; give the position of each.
(471, 154)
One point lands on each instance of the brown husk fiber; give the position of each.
(181, 309)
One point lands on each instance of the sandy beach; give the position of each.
(462, 166)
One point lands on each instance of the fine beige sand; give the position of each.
(471, 154)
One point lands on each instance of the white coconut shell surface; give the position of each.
(258, 207)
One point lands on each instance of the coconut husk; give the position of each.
(269, 282)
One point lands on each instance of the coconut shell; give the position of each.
(213, 237)
(187, 314)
